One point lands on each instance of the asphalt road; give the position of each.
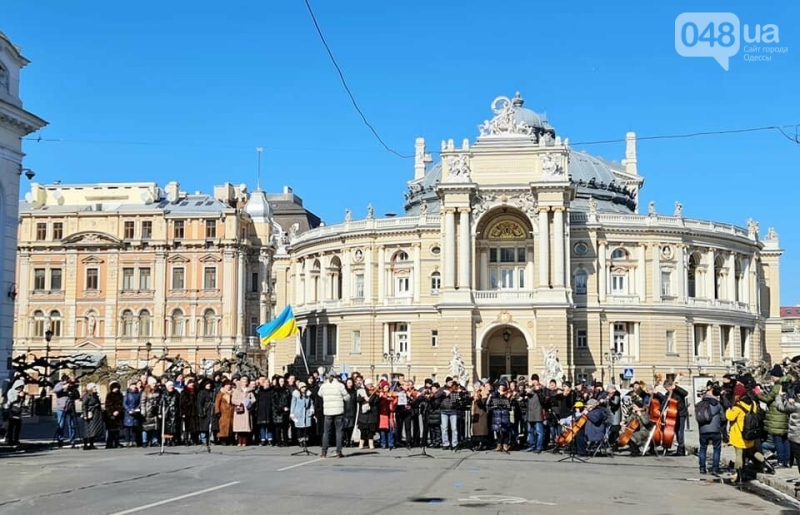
(250, 480)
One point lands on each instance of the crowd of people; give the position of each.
(501, 415)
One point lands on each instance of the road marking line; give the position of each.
(179, 498)
(297, 465)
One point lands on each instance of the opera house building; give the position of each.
(515, 247)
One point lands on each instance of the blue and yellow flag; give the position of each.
(283, 326)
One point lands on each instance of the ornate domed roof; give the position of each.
(258, 207)
(525, 115)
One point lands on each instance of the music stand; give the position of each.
(303, 440)
(573, 447)
(423, 453)
(162, 451)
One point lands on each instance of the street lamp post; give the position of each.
(148, 347)
(392, 357)
(612, 358)
(48, 336)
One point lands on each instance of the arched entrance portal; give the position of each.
(506, 353)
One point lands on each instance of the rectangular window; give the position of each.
(41, 231)
(493, 279)
(129, 230)
(144, 279)
(127, 279)
(178, 231)
(401, 339)
(666, 284)
(507, 255)
(580, 339)
(492, 255)
(253, 326)
(618, 285)
(58, 231)
(580, 282)
(521, 278)
(403, 286)
(254, 282)
(620, 337)
(507, 279)
(358, 287)
(147, 230)
(724, 341)
(521, 255)
(39, 279)
(210, 278)
(331, 340)
(92, 279)
(356, 342)
(582, 378)
(55, 279)
(178, 278)
(211, 229)
(434, 338)
(436, 283)
(671, 342)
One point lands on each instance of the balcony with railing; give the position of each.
(503, 296)
(719, 304)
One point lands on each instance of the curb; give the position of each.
(22, 448)
(781, 485)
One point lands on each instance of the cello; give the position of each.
(625, 436)
(572, 431)
(665, 417)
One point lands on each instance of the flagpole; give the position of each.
(303, 353)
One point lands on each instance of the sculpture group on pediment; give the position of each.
(458, 168)
(503, 122)
(752, 226)
(772, 234)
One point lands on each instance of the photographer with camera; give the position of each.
(66, 392)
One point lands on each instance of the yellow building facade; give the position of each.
(110, 268)
(515, 249)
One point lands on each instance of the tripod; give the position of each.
(423, 453)
(303, 440)
(162, 452)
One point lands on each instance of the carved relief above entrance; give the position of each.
(507, 230)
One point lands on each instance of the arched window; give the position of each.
(38, 324)
(581, 278)
(177, 323)
(335, 275)
(401, 274)
(209, 323)
(620, 253)
(508, 255)
(55, 323)
(619, 281)
(317, 281)
(400, 257)
(145, 323)
(127, 323)
(691, 275)
(436, 283)
(719, 263)
(738, 294)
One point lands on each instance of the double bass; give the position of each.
(665, 417)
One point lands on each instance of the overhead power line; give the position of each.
(347, 88)
(779, 128)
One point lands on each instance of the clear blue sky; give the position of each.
(203, 83)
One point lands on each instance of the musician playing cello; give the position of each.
(642, 433)
(680, 395)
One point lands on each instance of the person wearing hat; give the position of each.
(333, 395)
(776, 423)
(745, 449)
(92, 415)
(115, 412)
(14, 407)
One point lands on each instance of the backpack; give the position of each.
(702, 413)
(751, 428)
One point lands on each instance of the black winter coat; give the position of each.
(188, 410)
(281, 398)
(264, 406)
(205, 409)
(114, 403)
(170, 403)
(92, 415)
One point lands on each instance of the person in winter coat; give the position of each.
(776, 423)
(598, 422)
(188, 400)
(333, 395)
(114, 414)
(745, 449)
(92, 415)
(242, 401)
(614, 408)
(281, 404)
(788, 404)
(369, 404)
(132, 419)
(499, 408)
(350, 412)
(480, 419)
(205, 409)
(711, 433)
(150, 406)
(223, 411)
(535, 412)
(171, 413)
(263, 411)
(302, 412)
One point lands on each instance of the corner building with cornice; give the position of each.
(515, 246)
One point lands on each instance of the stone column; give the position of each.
(709, 278)
(417, 272)
(731, 293)
(656, 293)
(641, 273)
(602, 276)
(381, 273)
(464, 247)
(266, 288)
(450, 249)
(746, 281)
(297, 268)
(682, 280)
(228, 313)
(346, 276)
(544, 248)
(558, 254)
(241, 286)
(484, 278)
(368, 284)
(635, 344)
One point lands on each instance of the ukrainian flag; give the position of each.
(283, 326)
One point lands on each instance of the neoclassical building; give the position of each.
(516, 244)
(15, 124)
(109, 268)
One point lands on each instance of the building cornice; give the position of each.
(19, 120)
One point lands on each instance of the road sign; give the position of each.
(627, 373)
